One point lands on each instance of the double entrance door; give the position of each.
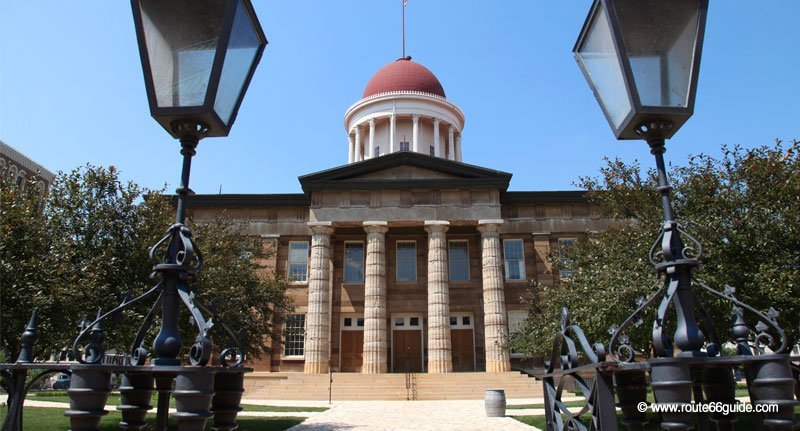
(406, 344)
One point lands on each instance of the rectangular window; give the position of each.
(514, 259)
(406, 261)
(377, 151)
(298, 261)
(404, 146)
(563, 244)
(433, 151)
(516, 323)
(294, 334)
(354, 262)
(459, 260)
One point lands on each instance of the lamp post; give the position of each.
(641, 58)
(198, 57)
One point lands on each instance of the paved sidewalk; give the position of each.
(408, 415)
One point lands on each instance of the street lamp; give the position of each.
(641, 59)
(198, 57)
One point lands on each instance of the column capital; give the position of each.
(436, 121)
(357, 130)
(371, 122)
(376, 226)
(432, 226)
(488, 226)
(324, 227)
(415, 118)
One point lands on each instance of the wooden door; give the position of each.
(407, 352)
(352, 351)
(463, 349)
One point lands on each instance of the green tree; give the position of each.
(744, 208)
(86, 246)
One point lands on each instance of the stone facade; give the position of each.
(411, 210)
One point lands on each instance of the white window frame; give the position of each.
(363, 263)
(286, 340)
(289, 263)
(564, 242)
(450, 261)
(460, 321)
(397, 261)
(515, 324)
(354, 326)
(520, 261)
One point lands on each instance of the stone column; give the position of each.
(440, 358)
(372, 153)
(375, 336)
(494, 301)
(458, 148)
(359, 155)
(392, 133)
(351, 151)
(318, 319)
(450, 144)
(437, 151)
(415, 133)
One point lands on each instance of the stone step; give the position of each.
(354, 386)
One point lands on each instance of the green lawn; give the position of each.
(47, 419)
(113, 400)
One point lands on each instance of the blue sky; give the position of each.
(71, 88)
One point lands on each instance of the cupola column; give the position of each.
(358, 155)
(450, 144)
(376, 346)
(415, 133)
(437, 150)
(494, 301)
(392, 133)
(440, 356)
(351, 150)
(372, 153)
(458, 148)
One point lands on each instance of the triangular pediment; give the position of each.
(406, 170)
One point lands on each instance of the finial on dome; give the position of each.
(406, 58)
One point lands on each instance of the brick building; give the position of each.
(406, 259)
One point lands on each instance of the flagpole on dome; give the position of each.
(405, 3)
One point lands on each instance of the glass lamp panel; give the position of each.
(598, 57)
(660, 38)
(181, 38)
(239, 58)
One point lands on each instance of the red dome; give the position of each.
(403, 75)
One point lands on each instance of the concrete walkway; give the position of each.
(408, 415)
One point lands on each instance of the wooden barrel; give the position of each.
(495, 403)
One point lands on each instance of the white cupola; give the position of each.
(404, 108)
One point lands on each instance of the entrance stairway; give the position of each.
(416, 386)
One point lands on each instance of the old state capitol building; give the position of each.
(406, 259)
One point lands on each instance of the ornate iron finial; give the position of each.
(28, 339)
(93, 352)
